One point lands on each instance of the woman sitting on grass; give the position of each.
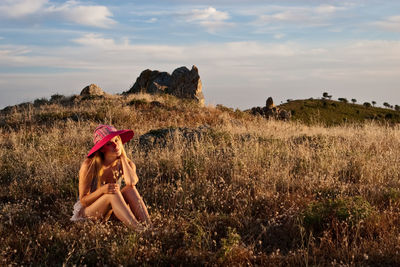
(101, 179)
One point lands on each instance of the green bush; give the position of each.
(40, 101)
(56, 98)
(320, 214)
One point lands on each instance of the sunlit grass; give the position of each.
(247, 191)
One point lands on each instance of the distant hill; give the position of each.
(331, 112)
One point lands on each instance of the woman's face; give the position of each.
(112, 147)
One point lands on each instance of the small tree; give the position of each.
(397, 107)
(354, 100)
(386, 104)
(56, 97)
(342, 99)
(367, 104)
(373, 103)
(326, 95)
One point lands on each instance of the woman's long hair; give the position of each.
(96, 166)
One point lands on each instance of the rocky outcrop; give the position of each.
(183, 83)
(92, 90)
(270, 103)
(161, 137)
(271, 111)
(151, 82)
(186, 83)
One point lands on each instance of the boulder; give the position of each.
(183, 83)
(151, 82)
(271, 111)
(186, 83)
(162, 137)
(269, 103)
(92, 90)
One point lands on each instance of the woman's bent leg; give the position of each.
(115, 201)
(132, 197)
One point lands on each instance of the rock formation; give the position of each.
(183, 83)
(92, 90)
(162, 137)
(270, 103)
(271, 111)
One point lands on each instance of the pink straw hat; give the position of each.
(105, 133)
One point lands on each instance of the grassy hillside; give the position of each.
(246, 191)
(330, 112)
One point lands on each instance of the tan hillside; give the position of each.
(223, 187)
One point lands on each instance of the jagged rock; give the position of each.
(186, 83)
(161, 137)
(183, 83)
(271, 111)
(151, 82)
(92, 90)
(270, 103)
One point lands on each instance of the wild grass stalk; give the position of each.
(246, 191)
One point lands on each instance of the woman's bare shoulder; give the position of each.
(86, 164)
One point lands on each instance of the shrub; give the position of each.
(138, 103)
(56, 98)
(388, 116)
(320, 214)
(386, 104)
(367, 104)
(40, 101)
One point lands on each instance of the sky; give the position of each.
(245, 51)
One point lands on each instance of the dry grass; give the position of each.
(248, 191)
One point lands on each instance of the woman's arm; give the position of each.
(85, 181)
(134, 174)
(130, 175)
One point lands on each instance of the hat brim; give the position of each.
(125, 135)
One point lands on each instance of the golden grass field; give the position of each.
(249, 191)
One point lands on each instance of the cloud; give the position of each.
(302, 16)
(89, 15)
(209, 17)
(96, 40)
(21, 8)
(389, 24)
(207, 14)
(279, 36)
(151, 20)
(70, 11)
(112, 50)
(12, 55)
(327, 9)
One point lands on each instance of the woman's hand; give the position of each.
(110, 188)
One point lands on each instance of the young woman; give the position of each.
(101, 181)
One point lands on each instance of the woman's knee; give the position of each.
(117, 196)
(126, 189)
(128, 192)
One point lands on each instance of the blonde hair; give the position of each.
(96, 168)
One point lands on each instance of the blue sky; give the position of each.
(246, 51)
